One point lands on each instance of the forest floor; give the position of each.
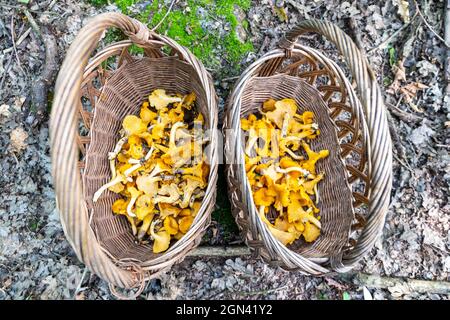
(36, 261)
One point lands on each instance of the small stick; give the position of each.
(33, 23)
(429, 26)
(409, 285)
(447, 39)
(40, 87)
(19, 41)
(13, 36)
(209, 251)
(383, 44)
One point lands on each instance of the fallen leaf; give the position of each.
(281, 13)
(17, 140)
(409, 92)
(334, 283)
(399, 77)
(403, 9)
(4, 111)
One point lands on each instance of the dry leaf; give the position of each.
(281, 13)
(399, 76)
(17, 140)
(409, 92)
(403, 9)
(334, 283)
(447, 124)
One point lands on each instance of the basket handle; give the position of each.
(64, 150)
(379, 146)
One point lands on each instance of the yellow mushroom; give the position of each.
(171, 225)
(148, 184)
(310, 185)
(188, 190)
(195, 208)
(144, 206)
(159, 99)
(166, 209)
(282, 107)
(145, 226)
(269, 105)
(120, 206)
(264, 197)
(147, 115)
(167, 194)
(185, 223)
(161, 239)
(135, 193)
(248, 123)
(310, 232)
(118, 179)
(133, 125)
(313, 157)
(282, 236)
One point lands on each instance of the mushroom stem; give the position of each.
(284, 128)
(250, 145)
(131, 169)
(112, 167)
(292, 154)
(291, 169)
(130, 207)
(117, 148)
(149, 153)
(113, 182)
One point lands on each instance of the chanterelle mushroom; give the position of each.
(167, 194)
(159, 99)
(285, 186)
(159, 167)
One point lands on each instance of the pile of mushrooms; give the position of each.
(281, 169)
(158, 168)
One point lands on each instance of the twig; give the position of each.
(403, 115)
(405, 165)
(78, 289)
(408, 285)
(220, 251)
(39, 92)
(13, 36)
(429, 26)
(383, 44)
(33, 23)
(447, 39)
(165, 15)
(252, 293)
(19, 41)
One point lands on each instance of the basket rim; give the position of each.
(64, 142)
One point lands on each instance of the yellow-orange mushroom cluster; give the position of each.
(281, 169)
(159, 169)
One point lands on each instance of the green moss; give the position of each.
(187, 27)
(97, 3)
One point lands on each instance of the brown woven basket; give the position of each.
(102, 240)
(354, 195)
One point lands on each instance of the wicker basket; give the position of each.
(102, 240)
(354, 196)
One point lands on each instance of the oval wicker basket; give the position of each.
(354, 195)
(102, 240)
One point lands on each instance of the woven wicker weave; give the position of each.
(354, 195)
(102, 240)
